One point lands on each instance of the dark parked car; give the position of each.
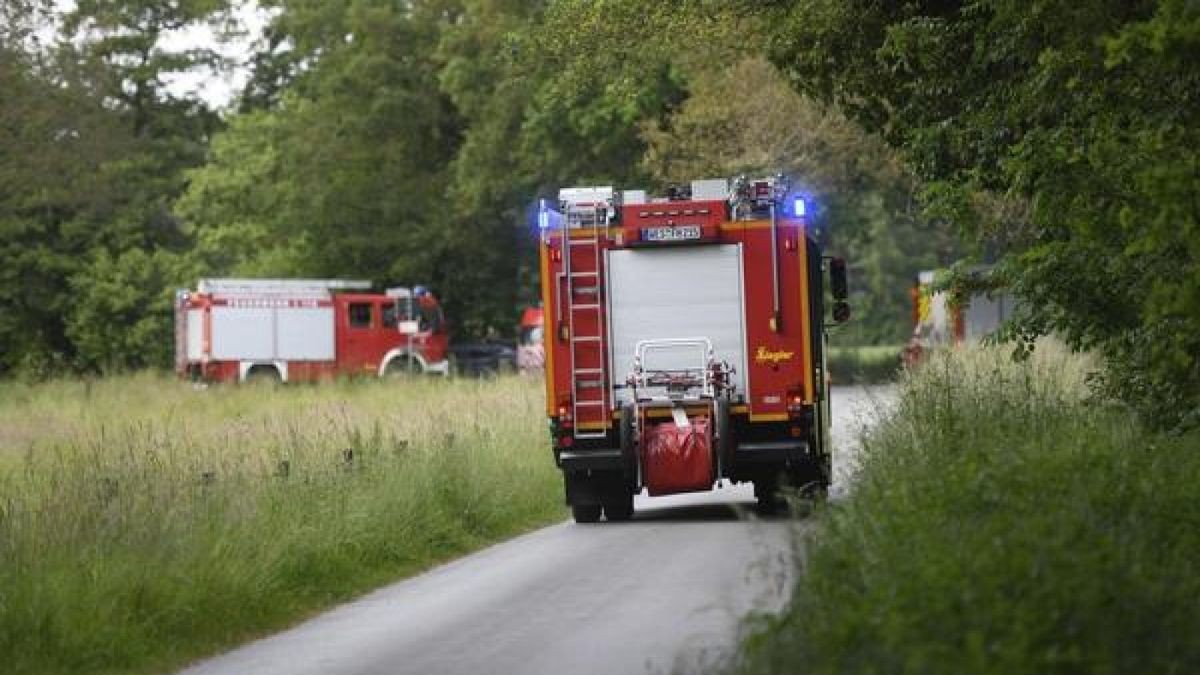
(480, 359)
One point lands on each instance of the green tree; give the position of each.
(123, 307)
(91, 152)
(58, 189)
(1083, 114)
(747, 118)
(346, 175)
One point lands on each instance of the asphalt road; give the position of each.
(663, 593)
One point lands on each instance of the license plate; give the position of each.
(677, 233)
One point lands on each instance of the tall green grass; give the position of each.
(1001, 522)
(144, 523)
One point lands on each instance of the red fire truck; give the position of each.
(233, 330)
(938, 323)
(685, 342)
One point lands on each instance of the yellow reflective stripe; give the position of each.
(769, 417)
(587, 232)
(809, 391)
(548, 334)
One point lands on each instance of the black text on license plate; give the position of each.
(677, 233)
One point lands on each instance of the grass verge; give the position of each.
(1001, 523)
(144, 524)
(863, 365)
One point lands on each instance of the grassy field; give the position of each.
(864, 365)
(1001, 522)
(144, 523)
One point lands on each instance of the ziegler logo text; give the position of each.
(764, 355)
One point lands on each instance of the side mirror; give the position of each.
(837, 278)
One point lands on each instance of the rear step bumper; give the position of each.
(589, 460)
(769, 452)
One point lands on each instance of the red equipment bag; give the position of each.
(678, 460)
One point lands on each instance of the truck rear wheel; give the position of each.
(813, 477)
(402, 367)
(820, 487)
(619, 507)
(263, 375)
(585, 513)
(766, 493)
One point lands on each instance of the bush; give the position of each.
(1001, 522)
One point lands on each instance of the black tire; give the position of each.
(619, 508)
(814, 477)
(824, 475)
(766, 492)
(586, 513)
(402, 367)
(263, 375)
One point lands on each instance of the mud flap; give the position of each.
(592, 487)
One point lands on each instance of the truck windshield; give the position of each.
(430, 317)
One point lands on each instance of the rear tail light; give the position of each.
(795, 402)
(564, 415)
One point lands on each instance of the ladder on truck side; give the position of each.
(583, 267)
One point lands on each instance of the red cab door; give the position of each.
(359, 324)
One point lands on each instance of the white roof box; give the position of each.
(633, 197)
(280, 286)
(710, 189)
(399, 292)
(585, 196)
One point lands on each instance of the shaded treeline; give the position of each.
(407, 142)
(400, 142)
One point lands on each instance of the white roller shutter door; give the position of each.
(305, 333)
(243, 333)
(676, 292)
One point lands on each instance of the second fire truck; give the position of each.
(684, 342)
(288, 330)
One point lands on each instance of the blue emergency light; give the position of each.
(798, 207)
(543, 215)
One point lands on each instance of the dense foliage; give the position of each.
(92, 147)
(1001, 522)
(1063, 137)
(398, 142)
(407, 142)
